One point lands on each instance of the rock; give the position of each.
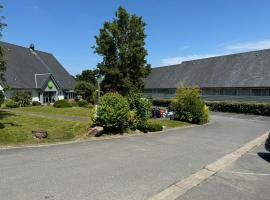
(40, 134)
(96, 131)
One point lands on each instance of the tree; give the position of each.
(121, 44)
(85, 89)
(88, 76)
(2, 60)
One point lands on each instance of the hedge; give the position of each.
(62, 104)
(161, 102)
(154, 126)
(240, 107)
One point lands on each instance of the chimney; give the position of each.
(32, 46)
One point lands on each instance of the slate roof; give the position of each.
(23, 63)
(250, 69)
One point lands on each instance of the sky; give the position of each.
(177, 30)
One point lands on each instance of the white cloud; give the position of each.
(225, 50)
(249, 46)
(180, 59)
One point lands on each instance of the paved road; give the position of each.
(246, 179)
(131, 168)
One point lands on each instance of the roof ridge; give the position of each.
(213, 57)
(7, 43)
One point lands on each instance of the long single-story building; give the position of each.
(36, 72)
(242, 76)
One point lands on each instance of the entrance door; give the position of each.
(49, 97)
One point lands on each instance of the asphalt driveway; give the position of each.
(126, 168)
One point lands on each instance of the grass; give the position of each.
(169, 123)
(15, 129)
(74, 111)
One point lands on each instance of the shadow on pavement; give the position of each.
(265, 156)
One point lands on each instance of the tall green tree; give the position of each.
(121, 43)
(88, 76)
(2, 60)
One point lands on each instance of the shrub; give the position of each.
(62, 104)
(9, 103)
(112, 112)
(22, 98)
(82, 103)
(132, 120)
(92, 115)
(85, 89)
(73, 102)
(154, 126)
(36, 103)
(141, 108)
(240, 107)
(189, 106)
(2, 97)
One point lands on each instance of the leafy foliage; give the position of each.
(2, 60)
(36, 103)
(22, 98)
(189, 106)
(85, 89)
(88, 76)
(9, 103)
(82, 103)
(121, 44)
(141, 108)
(154, 126)
(112, 112)
(62, 104)
(2, 97)
(241, 107)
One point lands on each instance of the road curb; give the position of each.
(178, 189)
(103, 138)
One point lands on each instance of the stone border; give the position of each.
(178, 189)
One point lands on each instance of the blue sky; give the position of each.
(177, 30)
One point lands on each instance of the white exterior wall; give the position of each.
(35, 96)
(61, 97)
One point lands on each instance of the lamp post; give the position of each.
(99, 80)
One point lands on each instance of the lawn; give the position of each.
(16, 129)
(169, 123)
(74, 111)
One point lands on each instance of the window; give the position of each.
(243, 92)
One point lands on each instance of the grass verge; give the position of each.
(169, 123)
(15, 129)
(74, 111)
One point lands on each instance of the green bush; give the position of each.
(62, 104)
(2, 97)
(73, 102)
(189, 106)
(154, 126)
(86, 90)
(240, 107)
(82, 103)
(36, 103)
(9, 103)
(141, 108)
(112, 112)
(22, 98)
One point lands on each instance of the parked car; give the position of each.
(267, 143)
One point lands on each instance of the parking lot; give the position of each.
(246, 179)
